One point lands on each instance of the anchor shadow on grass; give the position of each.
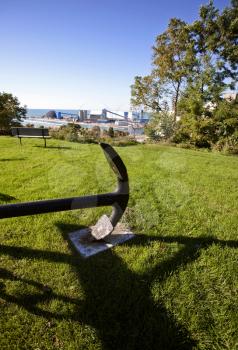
(11, 159)
(54, 147)
(118, 302)
(30, 301)
(6, 197)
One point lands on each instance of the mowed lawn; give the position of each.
(174, 286)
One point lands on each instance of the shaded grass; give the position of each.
(173, 287)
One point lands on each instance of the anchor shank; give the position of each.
(52, 205)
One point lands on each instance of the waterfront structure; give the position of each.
(67, 115)
(139, 116)
(121, 123)
(83, 114)
(116, 115)
(99, 116)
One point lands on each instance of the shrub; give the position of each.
(204, 127)
(10, 113)
(122, 142)
(75, 133)
(185, 145)
(161, 126)
(227, 145)
(68, 133)
(111, 132)
(95, 132)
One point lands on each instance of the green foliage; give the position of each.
(10, 112)
(76, 133)
(226, 42)
(123, 142)
(146, 93)
(120, 133)
(115, 133)
(196, 62)
(173, 57)
(227, 144)
(211, 71)
(161, 126)
(226, 119)
(195, 126)
(208, 126)
(95, 132)
(111, 132)
(68, 132)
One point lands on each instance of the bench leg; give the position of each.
(20, 140)
(45, 142)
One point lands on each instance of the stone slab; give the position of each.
(87, 246)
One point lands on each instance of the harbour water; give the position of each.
(38, 113)
(38, 121)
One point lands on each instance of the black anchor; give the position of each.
(117, 199)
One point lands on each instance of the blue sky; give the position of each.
(82, 53)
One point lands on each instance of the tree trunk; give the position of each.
(176, 99)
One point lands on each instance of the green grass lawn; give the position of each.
(174, 286)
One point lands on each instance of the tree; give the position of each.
(214, 71)
(196, 63)
(196, 125)
(205, 125)
(161, 125)
(10, 112)
(211, 69)
(146, 93)
(111, 132)
(173, 57)
(226, 119)
(95, 131)
(226, 44)
(215, 40)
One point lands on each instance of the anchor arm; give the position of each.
(122, 191)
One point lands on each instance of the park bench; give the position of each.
(22, 132)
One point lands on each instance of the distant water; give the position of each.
(41, 122)
(31, 113)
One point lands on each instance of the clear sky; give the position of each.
(82, 53)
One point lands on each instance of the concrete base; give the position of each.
(87, 246)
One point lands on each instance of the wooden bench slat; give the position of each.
(38, 137)
(41, 132)
(23, 132)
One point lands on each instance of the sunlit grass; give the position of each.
(172, 287)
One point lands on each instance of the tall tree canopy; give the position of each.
(227, 42)
(212, 72)
(203, 54)
(196, 63)
(146, 93)
(173, 57)
(11, 112)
